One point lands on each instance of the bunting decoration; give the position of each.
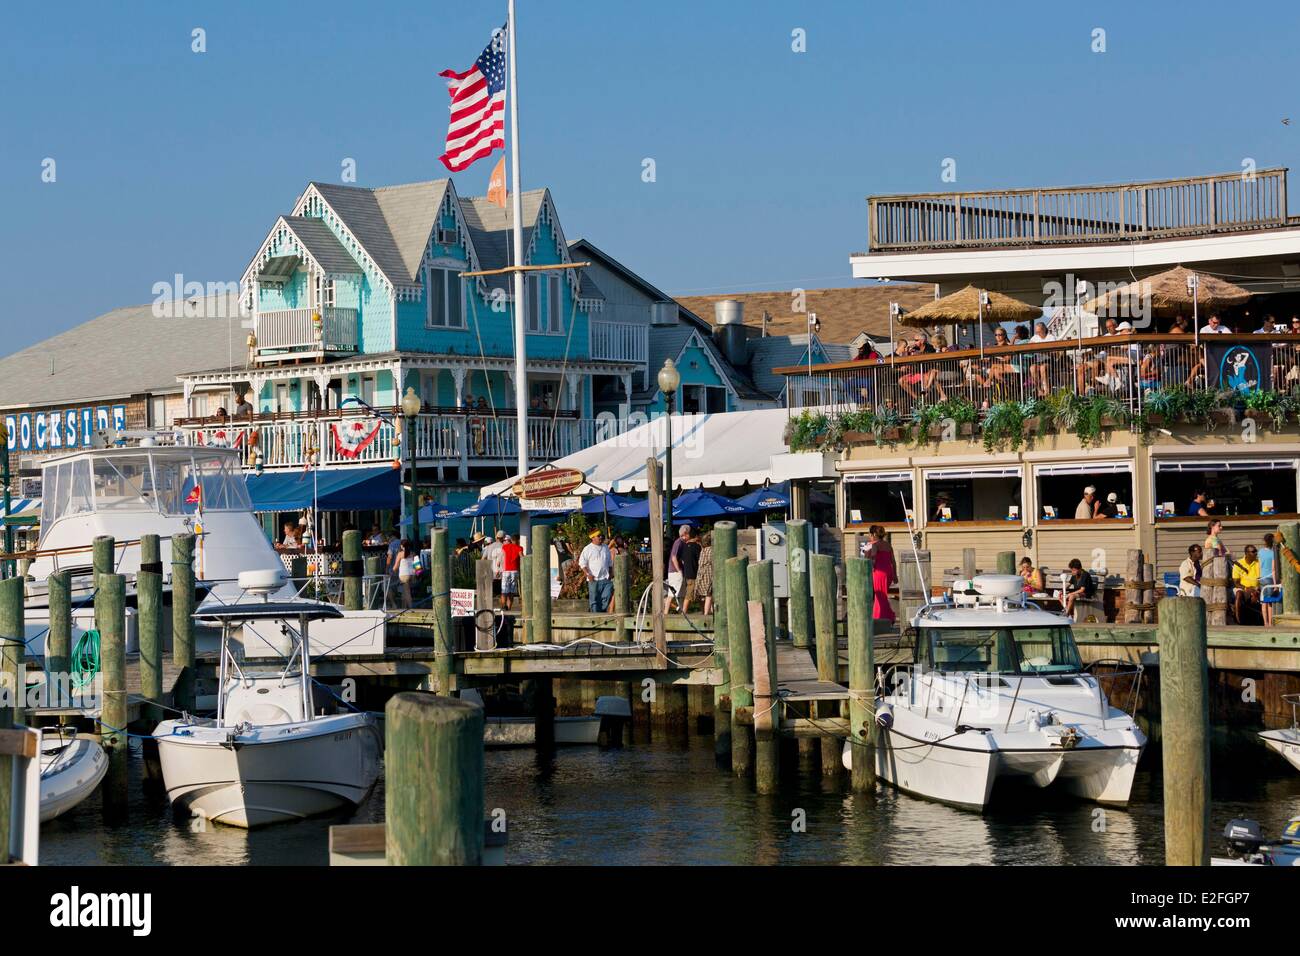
(351, 439)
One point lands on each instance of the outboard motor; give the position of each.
(1244, 839)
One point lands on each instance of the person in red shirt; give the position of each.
(508, 555)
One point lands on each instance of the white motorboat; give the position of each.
(997, 691)
(71, 768)
(1286, 740)
(269, 755)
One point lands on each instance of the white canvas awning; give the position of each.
(724, 450)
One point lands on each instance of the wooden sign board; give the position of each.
(549, 483)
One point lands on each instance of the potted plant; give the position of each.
(807, 431)
(1003, 425)
(855, 428)
(1266, 406)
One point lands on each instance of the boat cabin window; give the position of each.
(1237, 487)
(975, 494)
(877, 498)
(1003, 650)
(67, 489)
(182, 482)
(122, 483)
(1060, 490)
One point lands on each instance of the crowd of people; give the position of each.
(1254, 575)
(1093, 370)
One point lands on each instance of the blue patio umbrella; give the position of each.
(600, 504)
(491, 507)
(767, 499)
(696, 503)
(433, 512)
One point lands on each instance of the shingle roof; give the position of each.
(322, 244)
(843, 313)
(767, 352)
(128, 351)
(490, 229)
(392, 223)
(667, 341)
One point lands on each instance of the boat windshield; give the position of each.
(1000, 650)
(170, 481)
(184, 482)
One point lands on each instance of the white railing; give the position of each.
(352, 440)
(619, 341)
(294, 329)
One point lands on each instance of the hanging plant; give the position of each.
(806, 431)
(1003, 426)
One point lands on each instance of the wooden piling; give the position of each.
(862, 674)
(1133, 586)
(968, 563)
(742, 675)
(433, 802)
(524, 620)
(759, 576)
(484, 613)
(110, 612)
(800, 601)
(1185, 720)
(824, 620)
(657, 609)
(58, 643)
(1290, 579)
(440, 589)
(1148, 592)
(102, 550)
(149, 623)
(622, 597)
(1006, 562)
(724, 549)
(539, 611)
(352, 570)
(183, 619)
(767, 751)
(12, 633)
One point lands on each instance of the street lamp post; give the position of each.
(669, 379)
(411, 406)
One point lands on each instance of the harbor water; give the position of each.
(665, 804)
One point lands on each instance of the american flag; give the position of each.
(478, 107)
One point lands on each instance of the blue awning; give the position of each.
(333, 489)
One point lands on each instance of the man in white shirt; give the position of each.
(1214, 326)
(1189, 573)
(1087, 508)
(1040, 333)
(596, 563)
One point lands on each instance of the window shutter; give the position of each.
(534, 305)
(555, 308)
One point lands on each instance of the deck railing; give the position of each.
(1126, 368)
(1122, 212)
(465, 439)
(294, 330)
(619, 341)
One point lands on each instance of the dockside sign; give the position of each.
(66, 428)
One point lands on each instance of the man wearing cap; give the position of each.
(1086, 509)
(492, 551)
(596, 562)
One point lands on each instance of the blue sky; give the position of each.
(171, 162)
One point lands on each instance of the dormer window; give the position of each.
(443, 297)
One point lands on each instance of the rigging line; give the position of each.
(564, 366)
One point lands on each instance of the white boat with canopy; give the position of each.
(275, 751)
(997, 692)
(1286, 740)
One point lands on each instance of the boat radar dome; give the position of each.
(998, 585)
(264, 581)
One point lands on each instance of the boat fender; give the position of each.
(885, 716)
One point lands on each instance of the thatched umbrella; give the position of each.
(1169, 294)
(964, 306)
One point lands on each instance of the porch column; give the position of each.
(458, 376)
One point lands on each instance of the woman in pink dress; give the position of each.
(883, 574)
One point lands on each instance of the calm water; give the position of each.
(664, 804)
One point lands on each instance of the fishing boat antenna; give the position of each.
(916, 555)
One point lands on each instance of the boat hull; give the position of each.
(69, 774)
(1286, 743)
(273, 773)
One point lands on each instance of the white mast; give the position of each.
(521, 382)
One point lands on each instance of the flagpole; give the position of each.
(521, 382)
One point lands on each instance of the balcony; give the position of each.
(1138, 380)
(294, 332)
(1126, 212)
(619, 341)
(455, 440)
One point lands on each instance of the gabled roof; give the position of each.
(144, 353)
(767, 352)
(669, 341)
(321, 244)
(392, 223)
(491, 229)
